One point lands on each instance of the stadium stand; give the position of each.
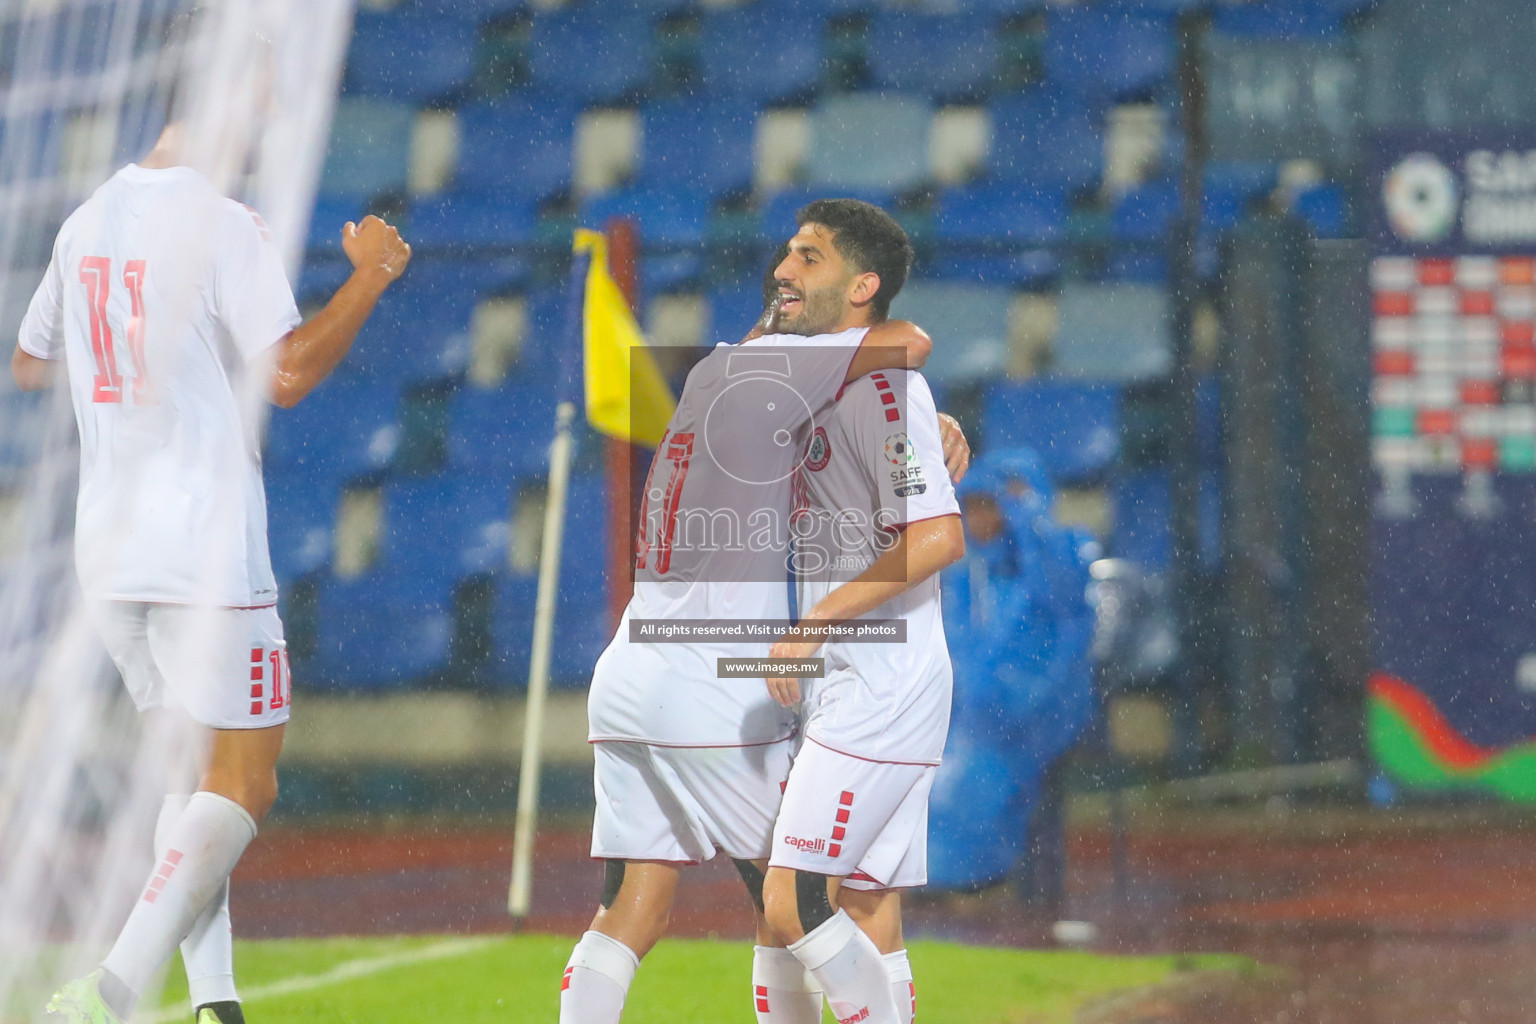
(949, 57)
(1030, 148)
(370, 148)
(698, 145)
(411, 57)
(1073, 426)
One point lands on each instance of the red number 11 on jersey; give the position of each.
(96, 275)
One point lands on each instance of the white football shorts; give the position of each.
(860, 820)
(682, 804)
(226, 668)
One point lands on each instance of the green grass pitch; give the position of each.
(497, 980)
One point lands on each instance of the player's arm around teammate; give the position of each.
(923, 548)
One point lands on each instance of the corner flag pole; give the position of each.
(519, 895)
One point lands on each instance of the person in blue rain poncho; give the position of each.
(1019, 623)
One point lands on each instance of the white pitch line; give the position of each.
(341, 972)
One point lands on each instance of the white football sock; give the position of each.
(783, 991)
(848, 966)
(203, 845)
(596, 980)
(903, 989)
(208, 950)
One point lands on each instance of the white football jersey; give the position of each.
(712, 542)
(877, 466)
(159, 295)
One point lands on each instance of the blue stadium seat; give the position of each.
(1279, 19)
(1154, 6)
(382, 630)
(301, 519)
(948, 57)
(80, 39)
(1146, 213)
(1000, 8)
(672, 223)
(516, 147)
(1230, 186)
(1047, 136)
(582, 628)
(344, 429)
(1073, 426)
(780, 208)
(1143, 265)
(1116, 332)
(698, 145)
(418, 332)
(409, 56)
(331, 213)
(319, 279)
(1243, 178)
(732, 312)
(370, 148)
(547, 337)
(808, 11)
(1115, 53)
(1347, 8)
(869, 141)
(664, 216)
(589, 55)
(21, 417)
(753, 53)
(449, 527)
(968, 322)
(502, 430)
(1033, 268)
(1323, 208)
(1141, 509)
(993, 213)
(471, 222)
(474, 11)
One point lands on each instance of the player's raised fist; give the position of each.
(374, 244)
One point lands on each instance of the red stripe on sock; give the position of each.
(565, 982)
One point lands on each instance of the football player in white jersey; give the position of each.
(168, 305)
(879, 521)
(688, 762)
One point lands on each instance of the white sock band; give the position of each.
(903, 989)
(825, 941)
(781, 969)
(607, 956)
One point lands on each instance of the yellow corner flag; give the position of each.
(627, 397)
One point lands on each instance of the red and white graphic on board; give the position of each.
(1454, 353)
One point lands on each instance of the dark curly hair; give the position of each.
(869, 239)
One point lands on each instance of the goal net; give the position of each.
(85, 87)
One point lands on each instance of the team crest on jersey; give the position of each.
(819, 452)
(907, 477)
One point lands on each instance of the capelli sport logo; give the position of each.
(806, 845)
